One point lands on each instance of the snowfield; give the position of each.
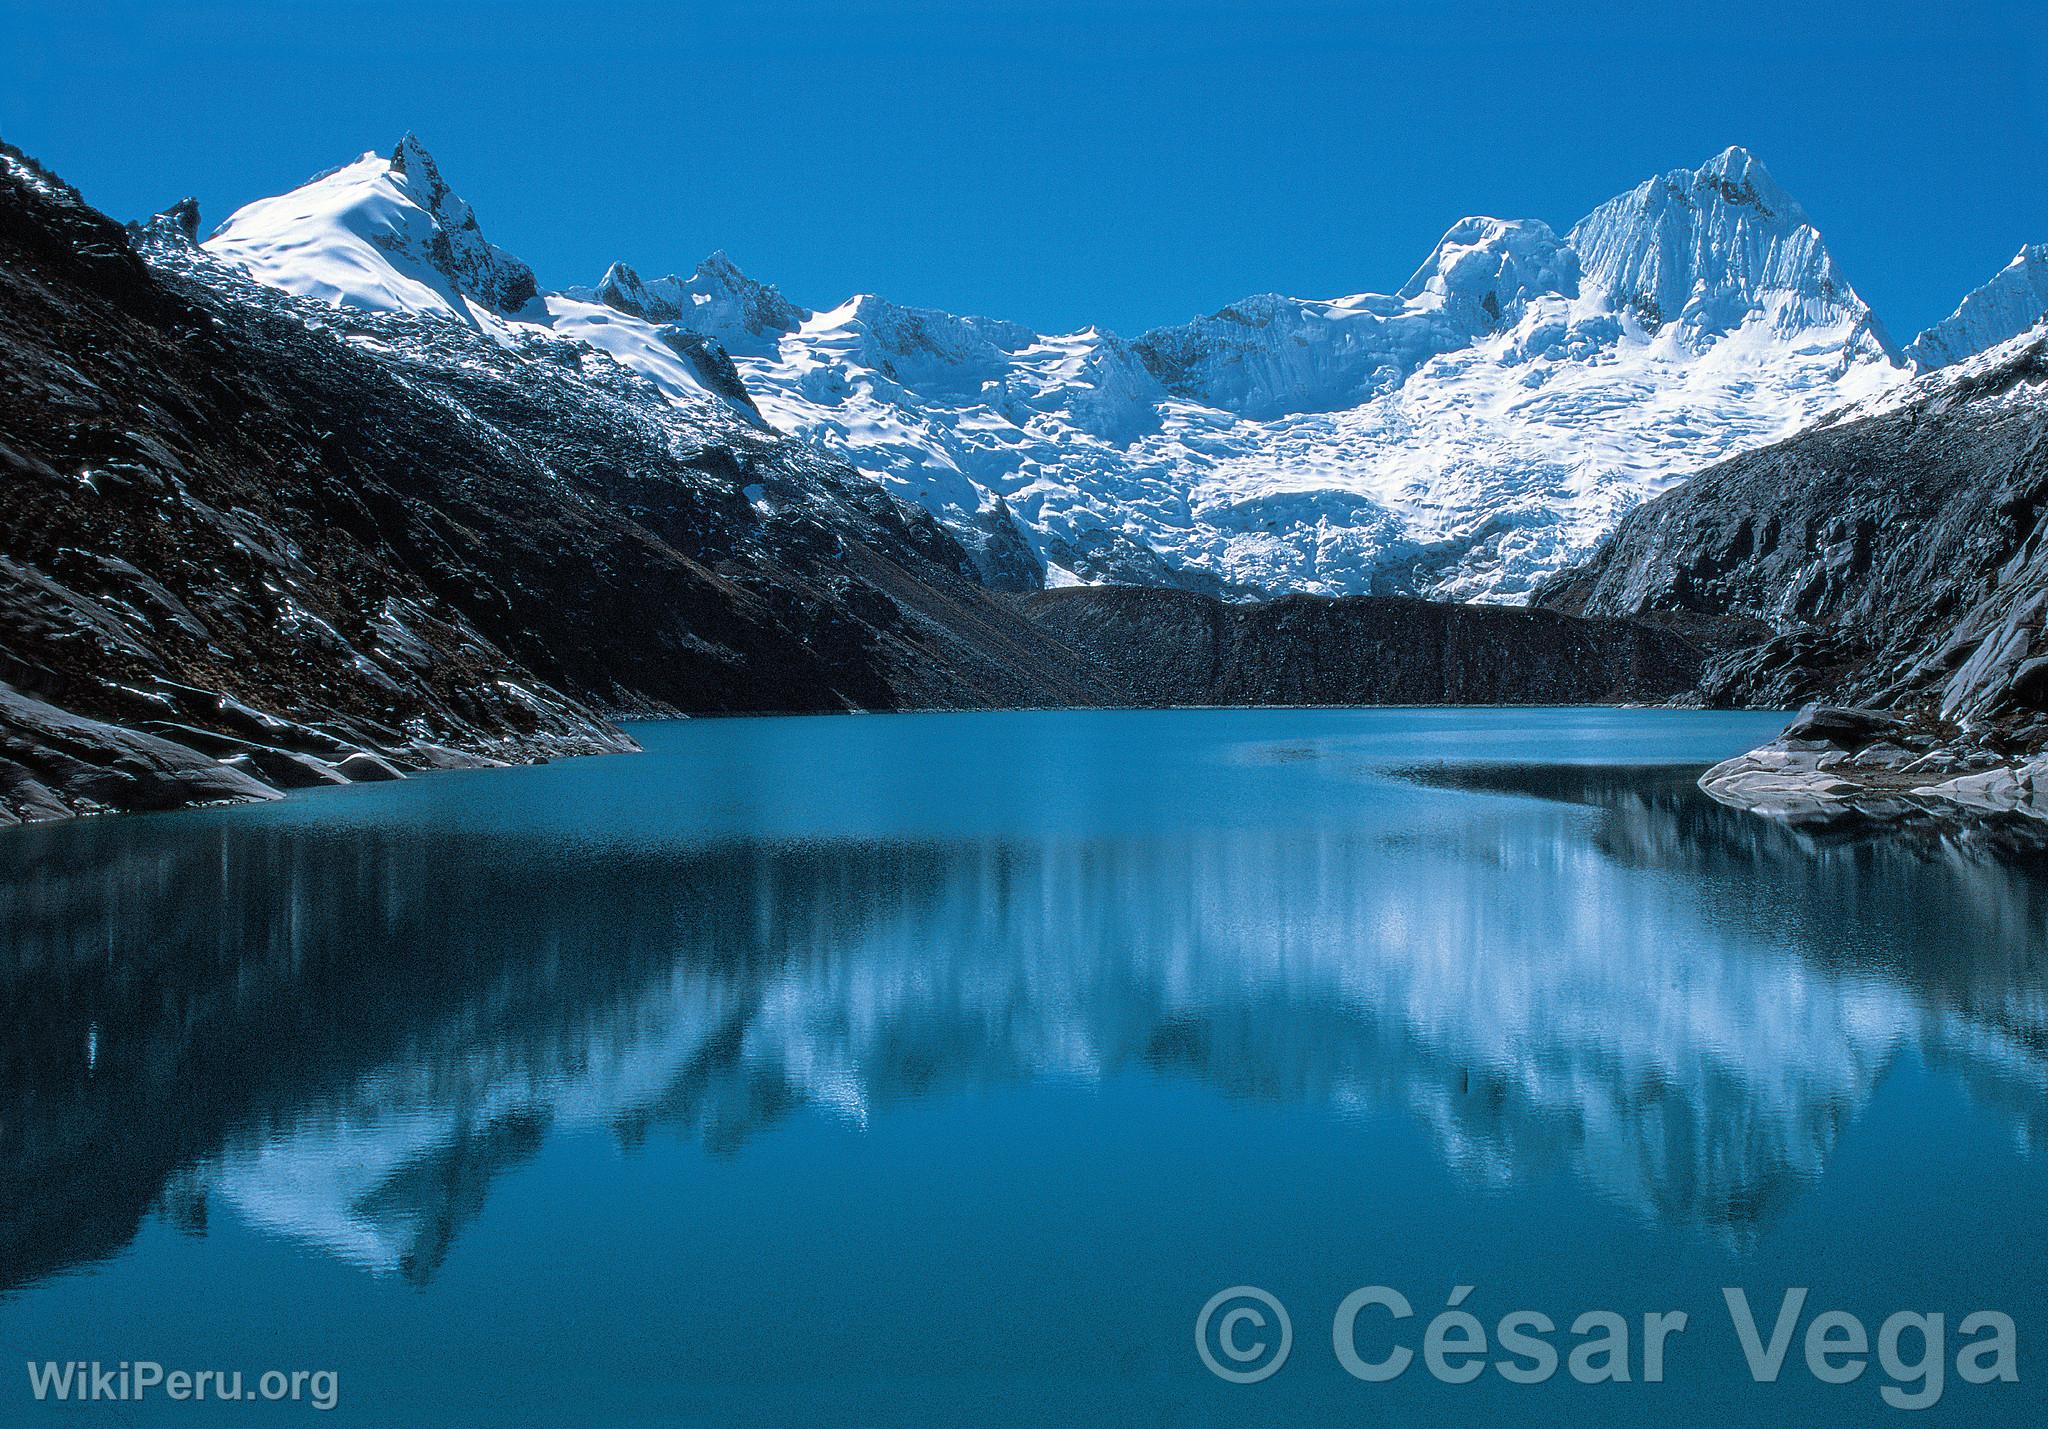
(387, 235)
(1463, 437)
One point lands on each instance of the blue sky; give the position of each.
(1060, 162)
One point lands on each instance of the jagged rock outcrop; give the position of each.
(717, 298)
(1833, 763)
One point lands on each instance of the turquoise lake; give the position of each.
(939, 1069)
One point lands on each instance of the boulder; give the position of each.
(1993, 789)
(1844, 728)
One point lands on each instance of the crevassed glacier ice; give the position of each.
(1461, 437)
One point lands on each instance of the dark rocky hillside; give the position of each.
(1179, 647)
(240, 536)
(1895, 560)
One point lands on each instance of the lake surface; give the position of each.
(937, 1070)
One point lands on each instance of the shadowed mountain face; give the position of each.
(1168, 647)
(1892, 557)
(345, 1031)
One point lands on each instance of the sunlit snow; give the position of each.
(1465, 436)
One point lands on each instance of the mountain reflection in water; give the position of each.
(345, 1031)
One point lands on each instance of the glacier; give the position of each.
(1463, 437)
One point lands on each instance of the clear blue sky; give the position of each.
(1058, 162)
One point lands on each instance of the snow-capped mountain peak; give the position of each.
(458, 247)
(1271, 356)
(178, 224)
(414, 170)
(622, 288)
(1463, 435)
(389, 234)
(1706, 250)
(717, 300)
(2014, 300)
(1743, 181)
(385, 233)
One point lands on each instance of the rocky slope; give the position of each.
(240, 527)
(1893, 557)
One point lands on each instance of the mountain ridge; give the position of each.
(1283, 444)
(1463, 437)
(2009, 303)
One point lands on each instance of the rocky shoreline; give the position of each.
(57, 764)
(1834, 763)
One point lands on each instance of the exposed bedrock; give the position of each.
(1164, 647)
(1892, 560)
